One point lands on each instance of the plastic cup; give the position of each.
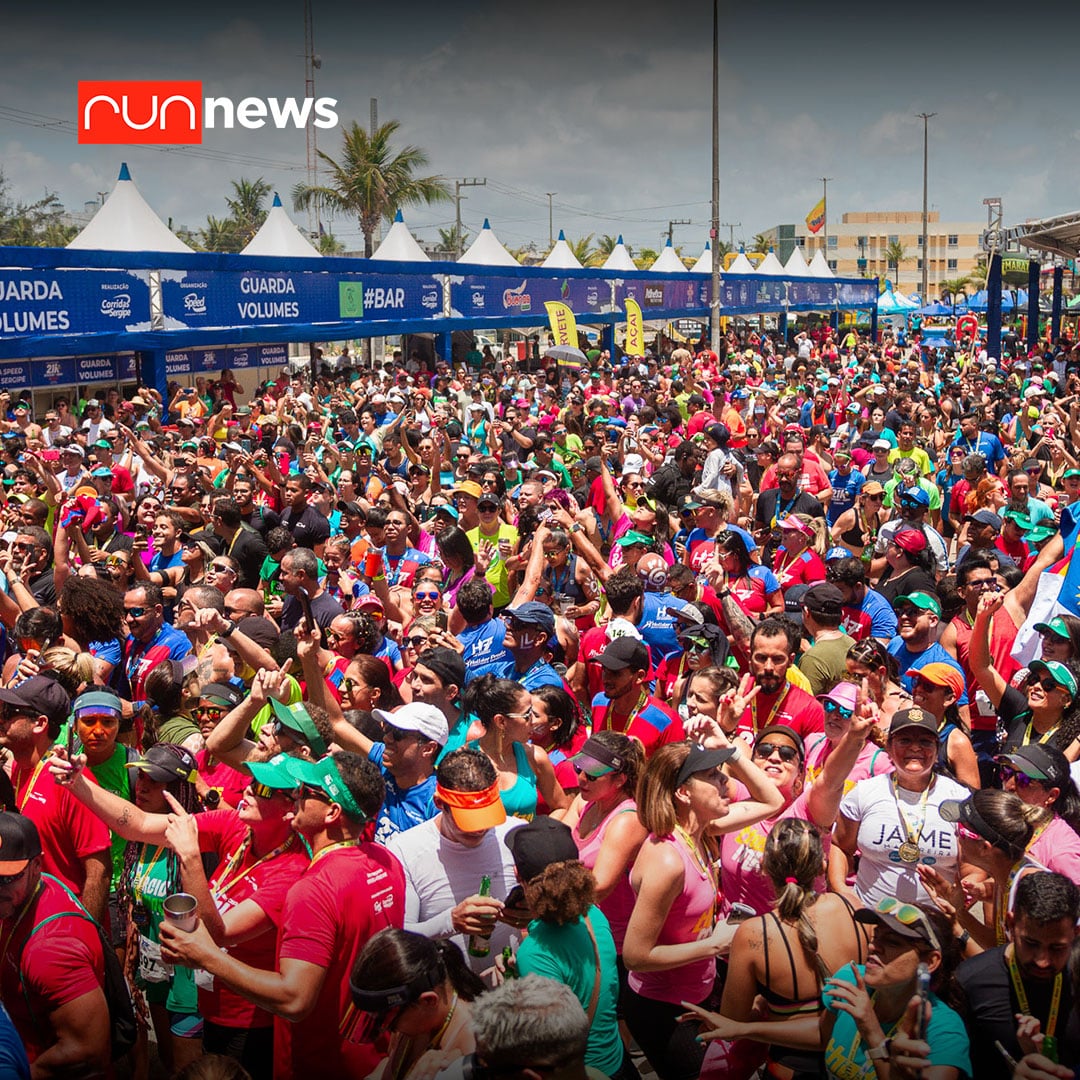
(179, 909)
(372, 563)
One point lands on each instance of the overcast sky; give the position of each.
(608, 104)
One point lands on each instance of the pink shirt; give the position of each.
(1058, 848)
(872, 761)
(619, 903)
(690, 918)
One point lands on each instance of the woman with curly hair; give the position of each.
(93, 616)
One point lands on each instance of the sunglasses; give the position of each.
(261, 791)
(966, 833)
(222, 569)
(433, 595)
(308, 792)
(1021, 779)
(909, 915)
(417, 641)
(766, 750)
(10, 879)
(135, 612)
(831, 707)
(1046, 683)
(588, 776)
(208, 712)
(395, 734)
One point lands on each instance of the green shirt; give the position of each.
(114, 776)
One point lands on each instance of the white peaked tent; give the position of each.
(619, 259)
(704, 263)
(796, 265)
(279, 236)
(741, 265)
(770, 265)
(486, 250)
(668, 262)
(819, 266)
(126, 223)
(399, 245)
(561, 257)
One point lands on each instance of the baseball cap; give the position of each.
(538, 844)
(446, 663)
(273, 773)
(1022, 520)
(629, 539)
(985, 517)
(165, 763)
(913, 718)
(1040, 761)
(469, 487)
(836, 553)
(915, 495)
(824, 599)
(910, 540)
(871, 487)
(352, 508)
(596, 759)
(792, 522)
(534, 613)
(907, 920)
(793, 601)
(449, 509)
(967, 813)
(923, 601)
(701, 760)
(417, 716)
(19, 843)
(623, 653)
(96, 702)
(1069, 474)
(39, 696)
(787, 732)
(297, 721)
(1058, 672)
(940, 674)
(323, 774)
(369, 602)
(1055, 626)
(222, 693)
(881, 444)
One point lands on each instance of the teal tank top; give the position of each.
(520, 800)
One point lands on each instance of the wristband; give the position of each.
(963, 939)
(735, 757)
(722, 593)
(229, 629)
(881, 1051)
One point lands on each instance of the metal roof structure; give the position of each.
(1055, 235)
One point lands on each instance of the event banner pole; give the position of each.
(714, 231)
(993, 307)
(1034, 270)
(1055, 313)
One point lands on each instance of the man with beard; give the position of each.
(775, 504)
(259, 518)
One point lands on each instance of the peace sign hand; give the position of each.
(735, 702)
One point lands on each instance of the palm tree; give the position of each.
(452, 241)
(894, 256)
(605, 245)
(220, 234)
(644, 258)
(373, 181)
(952, 287)
(762, 242)
(246, 207)
(582, 248)
(329, 244)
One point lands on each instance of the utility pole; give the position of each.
(825, 200)
(671, 227)
(714, 230)
(458, 185)
(311, 63)
(925, 117)
(551, 231)
(731, 226)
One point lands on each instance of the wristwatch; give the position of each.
(881, 1051)
(722, 593)
(230, 626)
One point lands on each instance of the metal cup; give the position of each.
(179, 909)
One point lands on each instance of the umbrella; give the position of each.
(936, 309)
(566, 355)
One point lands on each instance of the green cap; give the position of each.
(273, 773)
(297, 719)
(1038, 533)
(323, 774)
(1055, 626)
(920, 600)
(629, 539)
(1021, 519)
(1058, 672)
(103, 444)
(1070, 473)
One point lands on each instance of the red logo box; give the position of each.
(114, 111)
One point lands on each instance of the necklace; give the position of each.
(695, 851)
(1001, 902)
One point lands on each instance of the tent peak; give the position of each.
(124, 173)
(277, 200)
(399, 216)
(619, 241)
(487, 224)
(562, 236)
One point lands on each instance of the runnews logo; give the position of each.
(113, 111)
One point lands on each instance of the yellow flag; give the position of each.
(816, 218)
(563, 323)
(635, 329)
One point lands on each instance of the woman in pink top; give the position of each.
(672, 939)
(604, 820)
(1039, 775)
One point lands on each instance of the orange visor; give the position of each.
(473, 811)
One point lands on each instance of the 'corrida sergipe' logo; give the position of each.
(172, 111)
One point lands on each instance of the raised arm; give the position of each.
(989, 678)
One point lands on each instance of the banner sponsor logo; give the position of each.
(517, 298)
(174, 112)
(431, 298)
(195, 304)
(635, 329)
(117, 307)
(653, 295)
(563, 323)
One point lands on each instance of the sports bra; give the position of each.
(520, 800)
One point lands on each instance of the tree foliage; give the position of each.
(36, 224)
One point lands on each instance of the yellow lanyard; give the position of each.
(772, 712)
(1022, 998)
(609, 712)
(332, 847)
(30, 786)
(913, 835)
(1001, 904)
(15, 926)
(1030, 730)
(138, 885)
(220, 887)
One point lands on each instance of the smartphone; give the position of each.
(305, 605)
(441, 620)
(545, 514)
(740, 913)
(922, 988)
(141, 532)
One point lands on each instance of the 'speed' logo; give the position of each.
(174, 112)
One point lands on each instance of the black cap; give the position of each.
(824, 599)
(701, 760)
(787, 732)
(1044, 763)
(19, 843)
(965, 812)
(165, 762)
(793, 602)
(446, 663)
(39, 696)
(353, 508)
(540, 843)
(227, 694)
(913, 718)
(719, 433)
(624, 652)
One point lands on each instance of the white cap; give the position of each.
(882, 444)
(633, 463)
(417, 716)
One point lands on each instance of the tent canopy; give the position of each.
(279, 236)
(667, 262)
(561, 257)
(770, 265)
(619, 259)
(486, 250)
(796, 264)
(126, 223)
(741, 265)
(399, 245)
(704, 263)
(819, 266)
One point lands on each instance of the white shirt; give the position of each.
(440, 873)
(882, 872)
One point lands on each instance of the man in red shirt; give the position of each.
(351, 891)
(75, 843)
(52, 969)
(778, 701)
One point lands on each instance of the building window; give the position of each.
(801, 241)
(894, 239)
(833, 241)
(861, 241)
(918, 240)
(832, 264)
(919, 264)
(951, 263)
(954, 240)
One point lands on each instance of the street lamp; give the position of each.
(925, 117)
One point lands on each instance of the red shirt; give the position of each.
(792, 706)
(58, 964)
(265, 883)
(69, 831)
(804, 569)
(224, 778)
(1002, 638)
(342, 900)
(653, 725)
(856, 623)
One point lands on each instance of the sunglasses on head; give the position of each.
(909, 915)
(766, 750)
(831, 706)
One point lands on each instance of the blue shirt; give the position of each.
(484, 647)
(402, 808)
(882, 616)
(845, 489)
(657, 627)
(986, 444)
(934, 655)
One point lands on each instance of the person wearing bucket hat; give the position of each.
(351, 891)
(1045, 710)
(446, 858)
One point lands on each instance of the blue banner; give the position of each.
(180, 362)
(478, 295)
(739, 294)
(73, 302)
(225, 298)
(62, 371)
(664, 294)
(15, 375)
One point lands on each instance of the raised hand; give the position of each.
(181, 831)
(735, 702)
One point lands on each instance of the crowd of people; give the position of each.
(697, 714)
